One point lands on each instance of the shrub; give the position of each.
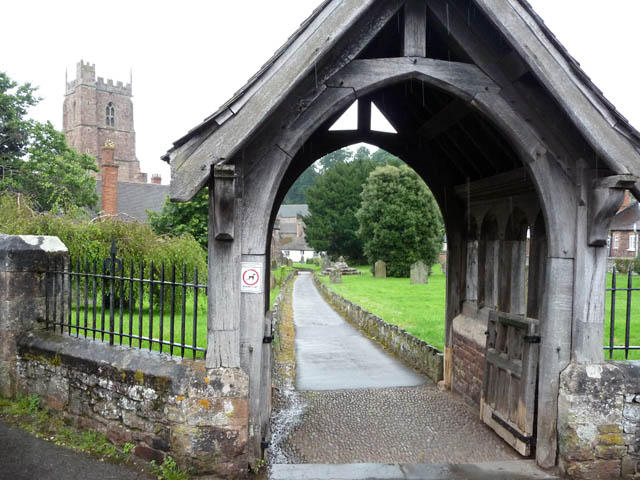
(623, 265)
(89, 241)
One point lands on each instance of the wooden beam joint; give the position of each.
(605, 199)
(224, 192)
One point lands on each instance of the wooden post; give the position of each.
(364, 115)
(555, 354)
(471, 294)
(415, 28)
(223, 341)
(251, 353)
(601, 199)
(456, 259)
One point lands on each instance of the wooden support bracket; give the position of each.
(224, 192)
(605, 199)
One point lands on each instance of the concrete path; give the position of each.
(369, 471)
(333, 355)
(25, 457)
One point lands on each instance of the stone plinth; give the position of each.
(24, 261)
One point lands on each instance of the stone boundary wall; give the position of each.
(414, 352)
(468, 358)
(599, 421)
(163, 405)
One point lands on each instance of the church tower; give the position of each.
(96, 112)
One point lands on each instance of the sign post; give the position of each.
(251, 278)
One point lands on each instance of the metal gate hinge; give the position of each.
(532, 338)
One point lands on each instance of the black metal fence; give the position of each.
(614, 327)
(114, 302)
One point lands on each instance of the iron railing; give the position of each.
(123, 306)
(612, 347)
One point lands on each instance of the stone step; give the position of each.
(514, 470)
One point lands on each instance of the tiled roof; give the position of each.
(293, 211)
(134, 199)
(627, 218)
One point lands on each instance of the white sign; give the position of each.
(251, 278)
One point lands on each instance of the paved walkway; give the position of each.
(332, 355)
(355, 403)
(367, 471)
(25, 457)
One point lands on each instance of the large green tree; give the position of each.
(331, 225)
(400, 222)
(35, 159)
(188, 217)
(297, 193)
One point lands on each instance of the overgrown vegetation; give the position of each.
(90, 240)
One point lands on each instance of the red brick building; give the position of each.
(623, 235)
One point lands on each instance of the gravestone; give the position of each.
(419, 273)
(326, 266)
(274, 265)
(289, 262)
(335, 276)
(380, 269)
(272, 282)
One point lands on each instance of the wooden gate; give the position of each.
(508, 403)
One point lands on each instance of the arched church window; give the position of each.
(110, 115)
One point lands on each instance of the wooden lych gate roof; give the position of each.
(528, 53)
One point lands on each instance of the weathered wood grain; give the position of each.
(415, 28)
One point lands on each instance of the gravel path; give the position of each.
(396, 424)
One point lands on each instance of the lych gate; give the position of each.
(509, 134)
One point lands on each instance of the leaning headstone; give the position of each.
(274, 265)
(380, 269)
(289, 262)
(272, 282)
(335, 276)
(419, 273)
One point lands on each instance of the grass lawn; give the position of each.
(165, 320)
(620, 317)
(419, 309)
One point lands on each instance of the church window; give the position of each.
(110, 115)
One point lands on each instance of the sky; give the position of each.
(189, 57)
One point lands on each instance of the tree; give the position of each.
(339, 156)
(188, 217)
(331, 225)
(297, 193)
(400, 222)
(35, 159)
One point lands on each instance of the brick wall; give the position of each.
(468, 358)
(623, 245)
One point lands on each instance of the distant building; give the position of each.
(97, 113)
(623, 234)
(292, 243)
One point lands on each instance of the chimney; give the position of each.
(109, 180)
(156, 179)
(626, 202)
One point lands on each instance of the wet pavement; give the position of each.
(487, 471)
(365, 407)
(25, 457)
(331, 354)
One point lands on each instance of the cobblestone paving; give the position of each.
(394, 425)
(416, 424)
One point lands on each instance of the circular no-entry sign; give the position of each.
(250, 277)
